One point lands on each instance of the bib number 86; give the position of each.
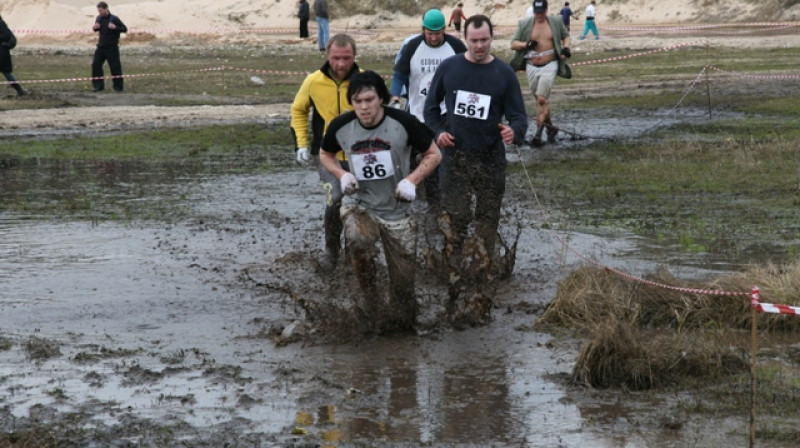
(369, 172)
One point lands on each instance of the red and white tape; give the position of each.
(744, 75)
(765, 25)
(137, 75)
(634, 55)
(769, 307)
(212, 30)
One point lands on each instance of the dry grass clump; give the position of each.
(643, 336)
(620, 354)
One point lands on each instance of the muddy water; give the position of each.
(162, 315)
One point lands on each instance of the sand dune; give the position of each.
(211, 15)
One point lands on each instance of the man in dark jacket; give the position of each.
(304, 15)
(6, 67)
(109, 28)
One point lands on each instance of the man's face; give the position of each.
(341, 59)
(539, 16)
(367, 106)
(479, 42)
(433, 38)
(102, 11)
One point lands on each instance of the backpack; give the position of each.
(11, 42)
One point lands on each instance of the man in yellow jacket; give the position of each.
(325, 91)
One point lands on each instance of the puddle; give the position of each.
(154, 320)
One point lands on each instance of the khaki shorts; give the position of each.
(541, 79)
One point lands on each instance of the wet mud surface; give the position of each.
(203, 320)
(193, 329)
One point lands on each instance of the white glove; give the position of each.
(349, 183)
(406, 191)
(303, 156)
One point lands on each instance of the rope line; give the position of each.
(568, 247)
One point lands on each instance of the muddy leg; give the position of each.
(333, 242)
(400, 246)
(361, 234)
(332, 220)
(366, 273)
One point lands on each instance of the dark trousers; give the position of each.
(101, 55)
(10, 77)
(465, 176)
(303, 28)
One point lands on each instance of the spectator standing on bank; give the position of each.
(478, 91)
(457, 15)
(589, 20)
(566, 13)
(543, 42)
(109, 27)
(415, 65)
(7, 42)
(323, 23)
(303, 14)
(379, 188)
(323, 91)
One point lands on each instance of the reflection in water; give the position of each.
(481, 387)
(397, 395)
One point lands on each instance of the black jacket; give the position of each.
(5, 53)
(108, 37)
(304, 13)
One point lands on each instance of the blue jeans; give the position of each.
(323, 32)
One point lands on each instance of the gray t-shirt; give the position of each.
(379, 157)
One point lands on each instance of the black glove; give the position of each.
(565, 51)
(531, 45)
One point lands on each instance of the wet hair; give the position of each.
(367, 80)
(341, 40)
(477, 21)
(103, 5)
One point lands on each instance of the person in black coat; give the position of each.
(304, 14)
(6, 67)
(109, 28)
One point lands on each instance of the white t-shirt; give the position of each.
(589, 12)
(423, 65)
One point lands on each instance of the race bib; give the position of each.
(472, 105)
(372, 166)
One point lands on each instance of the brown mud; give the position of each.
(194, 330)
(210, 325)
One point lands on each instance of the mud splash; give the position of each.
(166, 322)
